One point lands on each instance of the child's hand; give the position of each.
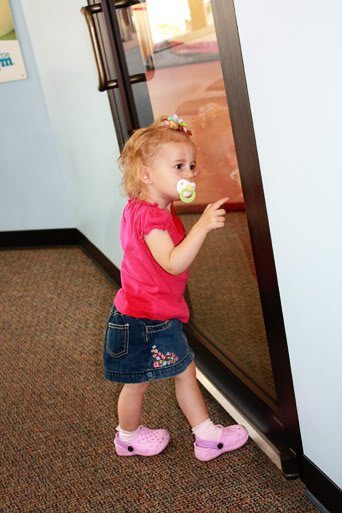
(213, 216)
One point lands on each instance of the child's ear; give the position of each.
(145, 175)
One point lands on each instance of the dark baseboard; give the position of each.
(315, 502)
(99, 258)
(322, 492)
(40, 238)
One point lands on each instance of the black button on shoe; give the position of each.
(220, 445)
(130, 448)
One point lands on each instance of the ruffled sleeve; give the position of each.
(153, 218)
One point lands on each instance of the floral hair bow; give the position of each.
(176, 123)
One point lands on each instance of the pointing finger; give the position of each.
(219, 203)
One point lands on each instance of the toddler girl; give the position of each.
(144, 337)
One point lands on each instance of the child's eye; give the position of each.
(192, 166)
(179, 166)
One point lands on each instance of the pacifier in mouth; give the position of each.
(186, 190)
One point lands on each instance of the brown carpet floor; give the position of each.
(58, 413)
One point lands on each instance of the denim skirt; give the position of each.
(138, 350)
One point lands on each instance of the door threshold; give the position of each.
(261, 441)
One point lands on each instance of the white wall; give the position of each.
(34, 191)
(292, 57)
(80, 117)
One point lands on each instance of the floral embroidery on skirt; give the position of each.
(162, 360)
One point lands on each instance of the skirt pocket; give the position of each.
(117, 339)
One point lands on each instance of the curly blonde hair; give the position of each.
(141, 148)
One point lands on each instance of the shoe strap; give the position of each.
(210, 444)
(124, 444)
(121, 442)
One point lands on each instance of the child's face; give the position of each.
(174, 160)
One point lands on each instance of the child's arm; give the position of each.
(176, 259)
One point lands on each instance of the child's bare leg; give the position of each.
(189, 396)
(210, 440)
(130, 405)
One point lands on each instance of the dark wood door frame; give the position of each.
(246, 150)
(283, 423)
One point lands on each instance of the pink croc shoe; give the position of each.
(148, 442)
(232, 437)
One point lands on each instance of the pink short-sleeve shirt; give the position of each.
(148, 291)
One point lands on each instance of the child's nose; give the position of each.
(190, 173)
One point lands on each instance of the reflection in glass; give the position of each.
(178, 52)
(187, 79)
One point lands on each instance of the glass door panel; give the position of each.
(174, 44)
(177, 49)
